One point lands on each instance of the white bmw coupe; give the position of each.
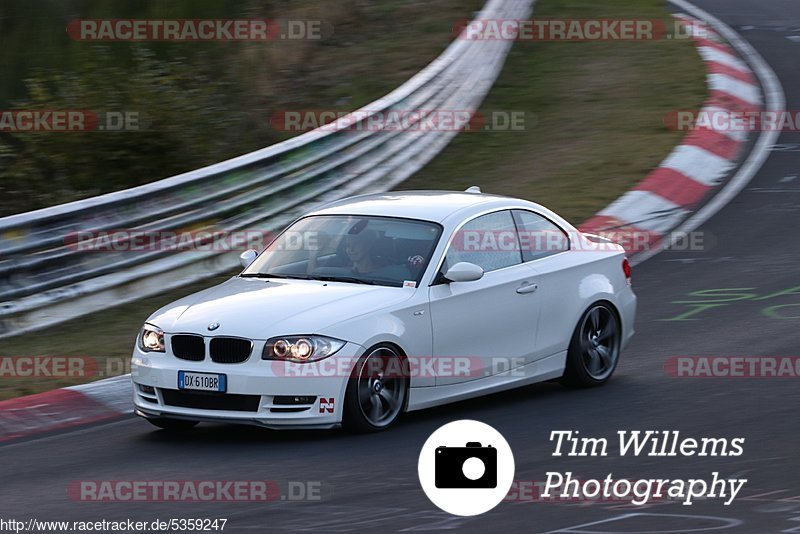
(382, 304)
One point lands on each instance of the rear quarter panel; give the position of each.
(569, 283)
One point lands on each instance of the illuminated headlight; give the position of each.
(151, 339)
(300, 348)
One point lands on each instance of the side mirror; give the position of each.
(247, 257)
(464, 272)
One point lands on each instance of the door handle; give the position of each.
(527, 288)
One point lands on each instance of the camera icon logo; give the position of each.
(466, 467)
(472, 466)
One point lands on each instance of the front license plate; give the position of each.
(201, 381)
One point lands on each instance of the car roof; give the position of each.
(426, 205)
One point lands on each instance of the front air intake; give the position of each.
(211, 401)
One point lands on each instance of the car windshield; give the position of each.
(348, 248)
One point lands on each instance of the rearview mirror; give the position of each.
(464, 272)
(247, 257)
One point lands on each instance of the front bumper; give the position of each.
(257, 390)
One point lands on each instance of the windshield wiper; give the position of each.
(322, 278)
(272, 275)
(351, 279)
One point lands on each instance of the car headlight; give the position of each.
(300, 348)
(151, 339)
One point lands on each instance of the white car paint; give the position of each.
(483, 319)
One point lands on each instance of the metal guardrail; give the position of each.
(44, 281)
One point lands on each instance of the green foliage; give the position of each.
(199, 103)
(183, 122)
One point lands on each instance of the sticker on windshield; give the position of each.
(409, 283)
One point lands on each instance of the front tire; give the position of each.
(594, 349)
(173, 425)
(376, 391)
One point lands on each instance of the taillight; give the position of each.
(626, 268)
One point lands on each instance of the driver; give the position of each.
(360, 249)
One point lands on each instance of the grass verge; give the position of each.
(594, 115)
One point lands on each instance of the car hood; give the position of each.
(258, 308)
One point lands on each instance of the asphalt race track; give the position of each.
(370, 482)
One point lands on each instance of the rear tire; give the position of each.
(173, 425)
(594, 350)
(376, 391)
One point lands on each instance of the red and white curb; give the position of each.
(643, 216)
(66, 407)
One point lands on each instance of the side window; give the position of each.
(539, 237)
(489, 241)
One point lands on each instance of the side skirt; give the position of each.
(538, 371)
